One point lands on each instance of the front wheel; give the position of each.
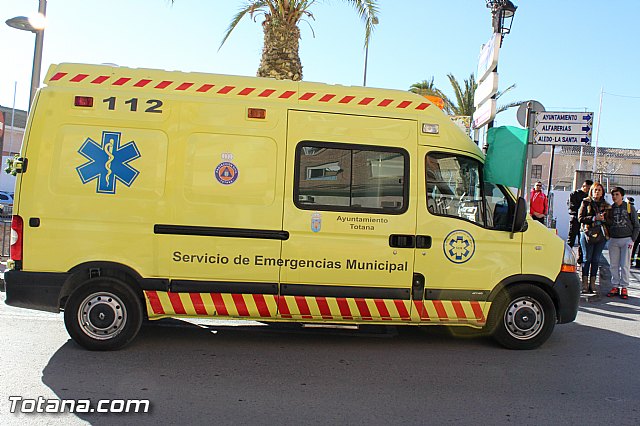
(103, 314)
(522, 317)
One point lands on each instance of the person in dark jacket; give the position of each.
(593, 212)
(574, 203)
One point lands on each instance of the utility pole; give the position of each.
(595, 151)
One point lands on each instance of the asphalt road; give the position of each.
(231, 373)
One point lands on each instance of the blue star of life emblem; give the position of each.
(459, 246)
(108, 162)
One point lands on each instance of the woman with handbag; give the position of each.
(594, 218)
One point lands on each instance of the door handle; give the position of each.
(402, 241)
(423, 241)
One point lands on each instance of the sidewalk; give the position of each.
(604, 281)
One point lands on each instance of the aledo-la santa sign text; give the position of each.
(563, 128)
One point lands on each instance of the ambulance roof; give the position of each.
(302, 94)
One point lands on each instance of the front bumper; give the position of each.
(34, 290)
(567, 293)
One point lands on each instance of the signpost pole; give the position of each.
(553, 153)
(580, 162)
(526, 176)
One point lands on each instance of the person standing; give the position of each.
(592, 213)
(538, 204)
(623, 232)
(574, 203)
(635, 253)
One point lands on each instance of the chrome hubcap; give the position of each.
(524, 318)
(102, 316)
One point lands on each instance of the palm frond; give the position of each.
(249, 8)
(464, 97)
(427, 87)
(368, 11)
(505, 107)
(502, 92)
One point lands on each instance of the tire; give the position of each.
(522, 317)
(103, 314)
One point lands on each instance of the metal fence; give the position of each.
(630, 183)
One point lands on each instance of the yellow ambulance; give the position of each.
(145, 194)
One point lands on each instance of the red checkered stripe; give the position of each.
(314, 307)
(160, 303)
(343, 309)
(227, 90)
(452, 311)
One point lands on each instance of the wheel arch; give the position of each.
(539, 281)
(84, 271)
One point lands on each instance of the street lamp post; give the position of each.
(502, 13)
(26, 24)
(374, 21)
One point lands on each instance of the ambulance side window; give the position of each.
(351, 178)
(499, 207)
(454, 187)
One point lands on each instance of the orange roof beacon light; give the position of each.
(439, 102)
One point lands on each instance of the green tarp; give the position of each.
(504, 162)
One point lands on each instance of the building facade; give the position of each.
(614, 167)
(12, 135)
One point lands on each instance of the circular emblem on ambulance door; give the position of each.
(226, 173)
(459, 246)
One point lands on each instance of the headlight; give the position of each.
(568, 260)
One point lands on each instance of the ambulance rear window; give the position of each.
(353, 178)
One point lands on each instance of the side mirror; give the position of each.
(520, 216)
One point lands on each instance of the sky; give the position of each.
(565, 54)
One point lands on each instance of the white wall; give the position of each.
(560, 212)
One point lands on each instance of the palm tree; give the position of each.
(280, 52)
(464, 97)
(426, 87)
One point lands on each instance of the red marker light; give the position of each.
(83, 101)
(257, 113)
(17, 230)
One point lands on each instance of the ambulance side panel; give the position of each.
(226, 184)
(163, 206)
(80, 203)
(227, 177)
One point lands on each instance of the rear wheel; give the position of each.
(522, 317)
(104, 313)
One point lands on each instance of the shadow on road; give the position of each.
(290, 375)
